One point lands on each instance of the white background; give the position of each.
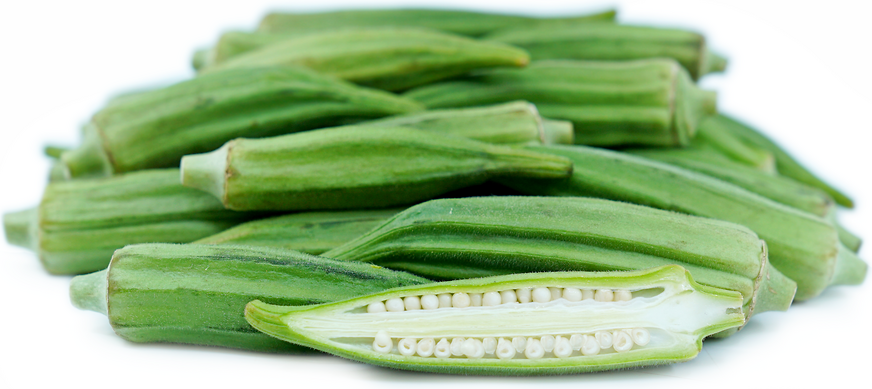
(799, 71)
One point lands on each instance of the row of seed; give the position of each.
(532, 348)
(522, 295)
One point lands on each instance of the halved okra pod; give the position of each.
(523, 324)
(154, 129)
(803, 247)
(196, 294)
(646, 102)
(356, 167)
(390, 58)
(611, 42)
(485, 236)
(78, 224)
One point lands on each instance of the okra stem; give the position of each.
(90, 292)
(17, 226)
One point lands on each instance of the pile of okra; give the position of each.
(438, 190)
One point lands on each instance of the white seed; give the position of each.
(443, 349)
(623, 341)
(556, 293)
(508, 296)
(407, 347)
(519, 343)
(395, 305)
(524, 296)
(562, 349)
(604, 338)
(382, 342)
(572, 294)
(534, 350)
(473, 348)
(604, 295)
(590, 346)
(426, 347)
(623, 295)
(640, 336)
(541, 295)
(460, 300)
(491, 299)
(547, 343)
(376, 307)
(587, 294)
(490, 345)
(444, 300)
(429, 301)
(576, 341)
(475, 299)
(412, 303)
(505, 349)
(456, 346)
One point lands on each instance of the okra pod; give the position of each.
(521, 324)
(355, 167)
(196, 294)
(712, 135)
(646, 102)
(154, 129)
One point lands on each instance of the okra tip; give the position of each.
(88, 160)
(714, 63)
(89, 292)
(17, 226)
(206, 171)
(850, 269)
(775, 291)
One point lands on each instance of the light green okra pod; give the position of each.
(78, 224)
(196, 294)
(355, 167)
(646, 102)
(522, 324)
(154, 129)
(803, 247)
(714, 137)
(387, 58)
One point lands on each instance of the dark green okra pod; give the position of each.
(646, 102)
(154, 129)
(356, 167)
(196, 294)
(522, 324)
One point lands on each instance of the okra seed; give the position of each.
(443, 349)
(604, 338)
(426, 347)
(590, 346)
(562, 349)
(604, 295)
(640, 336)
(524, 296)
(407, 347)
(508, 296)
(520, 343)
(473, 348)
(382, 342)
(412, 303)
(534, 350)
(456, 345)
(444, 300)
(572, 294)
(490, 345)
(541, 295)
(547, 343)
(505, 349)
(460, 300)
(475, 299)
(623, 295)
(429, 301)
(622, 342)
(556, 293)
(395, 305)
(491, 299)
(587, 294)
(376, 307)
(576, 341)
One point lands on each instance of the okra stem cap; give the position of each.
(89, 292)
(17, 227)
(206, 171)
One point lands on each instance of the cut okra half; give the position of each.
(520, 324)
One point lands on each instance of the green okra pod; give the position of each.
(355, 167)
(387, 58)
(713, 135)
(78, 224)
(646, 102)
(803, 247)
(196, 294)
(154, 129)
(613, 42)
(520, 324)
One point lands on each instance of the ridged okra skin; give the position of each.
(78, 224)
(803, 247)
(456, 21)
(613, 42)
(645, 102)
(485, 236)
(520, 324)
(154, 129)
(196, 294)
(307, 232)
(714, 136)
(389, 58)
(356, 167)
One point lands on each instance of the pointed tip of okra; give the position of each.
(207, 171)
(850, 269)
(89, 292)
(713, 63)
(775, 291)
(200, 58)
(17, 227)
(558, 132)
(88, 160)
